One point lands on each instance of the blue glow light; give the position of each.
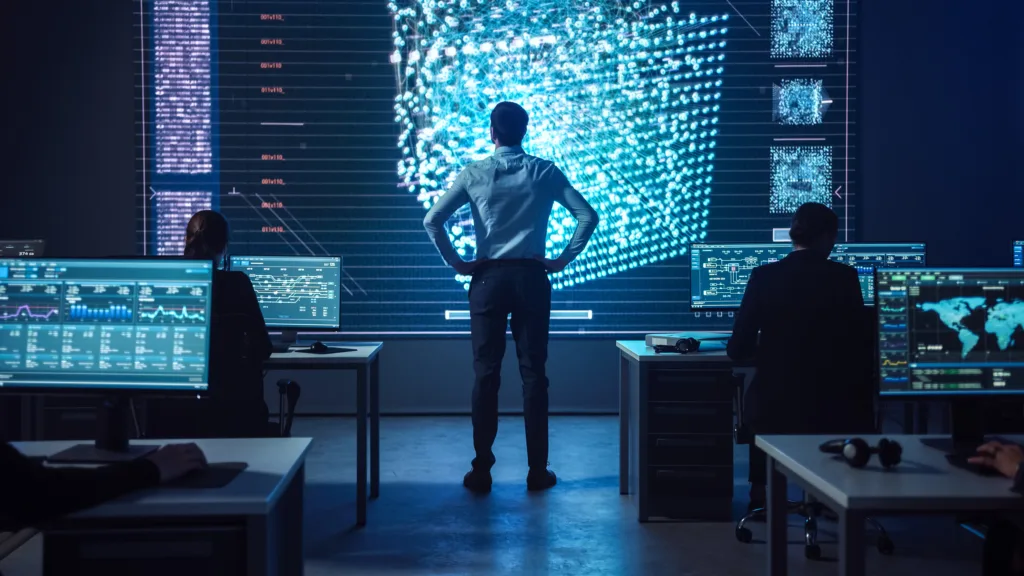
(801, 28)
(623, 97)
(799, 102)
(800, 174)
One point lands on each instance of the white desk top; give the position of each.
(362, 353)
(923, 481)
(272, 464)
(713, 351)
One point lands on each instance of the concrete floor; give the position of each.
(426, 523)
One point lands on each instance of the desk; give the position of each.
(675, 432)
(364, 359)
(924, 483)
(251, 526)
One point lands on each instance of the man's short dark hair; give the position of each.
(812, 222)
(509, 121)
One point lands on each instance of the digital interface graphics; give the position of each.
(1018, 253)
(719, 272)
(331, 127)
(951, 331)
(104, 323)
(295, 292)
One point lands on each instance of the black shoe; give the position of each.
(477, 481)
(540, 480)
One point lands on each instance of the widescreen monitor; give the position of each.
(104, 325)
(951, 331)
(719, 272)
(295, 292)
(1018, 253)
(21, 248)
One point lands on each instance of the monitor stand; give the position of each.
(967, 431)
(112, 422)
(288, 340)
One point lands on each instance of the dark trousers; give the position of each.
(520, 289)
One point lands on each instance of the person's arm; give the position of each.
(585, 215)
(745, 329)
(1018, 479)
(456, 197)
(260, 346)
(31, 494)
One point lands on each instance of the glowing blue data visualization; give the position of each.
(295, 292)
(1018, 253)
(865, 258)
(800, 102)
(801, 28)
(121, 324)
(623, 97)
(799, 174)
(946, 331)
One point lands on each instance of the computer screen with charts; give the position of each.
(719, 272)
(104, 324)
(951, 331)
(1018, 253)
(296, 292)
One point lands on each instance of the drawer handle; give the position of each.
(679, 474)
(683, 442)
(684, 411)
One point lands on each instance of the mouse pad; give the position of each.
(216, 475)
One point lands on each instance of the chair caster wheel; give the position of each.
(812, 552)
(744, 535)
(885, 546)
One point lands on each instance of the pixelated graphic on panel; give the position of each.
(330, 127)
(636, 135)
(802, 28)
(800, 102)
(800, 174)
(182, 85)
(173, 210)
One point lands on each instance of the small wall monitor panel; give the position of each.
(951, 331)
(296, 292)
(719, 272)
(21, 248)
(105, 324)
(1018, 253)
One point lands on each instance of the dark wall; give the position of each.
(70, 102)
(942, 125)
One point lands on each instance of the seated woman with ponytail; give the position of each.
(239, 343)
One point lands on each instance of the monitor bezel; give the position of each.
(939, 394)
(299, 329)
(123, 391)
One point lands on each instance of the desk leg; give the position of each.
(375, 427)
(777, 515)
(851, 543)
(362, 383)
(623, 424)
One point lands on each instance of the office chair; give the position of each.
(808, 509)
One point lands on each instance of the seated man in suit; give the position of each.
(803, 322)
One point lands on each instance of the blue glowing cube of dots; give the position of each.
(801, 28)
(623, 97)
(799, 102)
(799, 174)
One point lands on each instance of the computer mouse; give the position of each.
(319, 348)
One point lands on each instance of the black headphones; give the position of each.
(682, 346)
(857, 452)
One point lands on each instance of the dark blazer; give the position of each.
(804, 323)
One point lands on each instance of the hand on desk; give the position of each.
(177, 460)
(1006, 458)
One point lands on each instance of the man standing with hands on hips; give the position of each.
(511, 195)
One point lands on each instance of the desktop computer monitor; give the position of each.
(111, 328)
(296, 293)
(952, 333)
(1018, 253)
(21, 248)
(719, 272)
